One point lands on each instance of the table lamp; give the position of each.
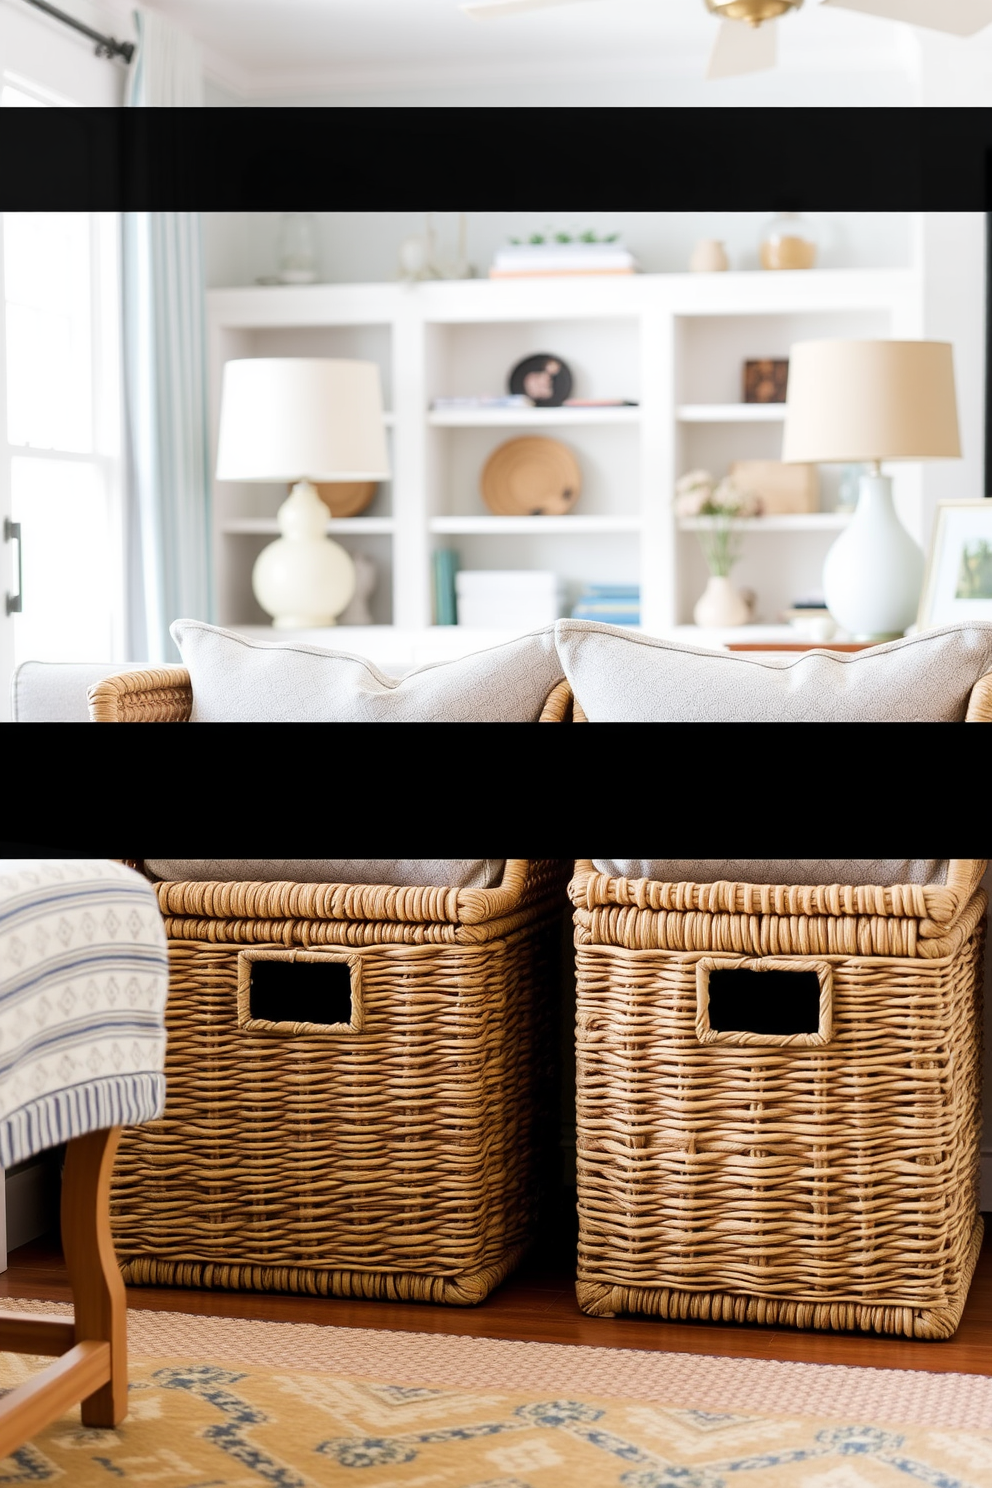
(302, 419)
(851, 402)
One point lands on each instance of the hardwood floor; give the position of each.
(537, 1304)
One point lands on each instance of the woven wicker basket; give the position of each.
(821, 1179)
(397, 1155)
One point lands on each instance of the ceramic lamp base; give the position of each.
(303, 579)
(874, 572)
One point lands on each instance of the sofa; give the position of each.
(573, 671)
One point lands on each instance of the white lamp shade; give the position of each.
(293, 418)
(853, 401)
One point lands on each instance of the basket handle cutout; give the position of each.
(763, 1002)
(299, 992)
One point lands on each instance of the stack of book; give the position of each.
(520, 401)
(610, 604)
(562, 258)
(504, 400)
(445, 567)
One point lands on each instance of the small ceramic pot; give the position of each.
(709, 257)
(720, 604)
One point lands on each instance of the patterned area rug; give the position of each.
(221, 1403)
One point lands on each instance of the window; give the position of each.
(62, 431)
(11, 97)
(21, 92)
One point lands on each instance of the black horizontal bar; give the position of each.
(106, 45)
(245, 159)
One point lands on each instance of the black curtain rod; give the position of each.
(106, 46)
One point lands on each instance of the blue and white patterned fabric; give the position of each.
(83, 984)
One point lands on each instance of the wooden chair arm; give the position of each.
(158, 695)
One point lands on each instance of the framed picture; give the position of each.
(958, 581)
(766, 381)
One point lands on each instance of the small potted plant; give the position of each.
(720, 504)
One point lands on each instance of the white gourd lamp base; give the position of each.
(873, 574)
(303, 580)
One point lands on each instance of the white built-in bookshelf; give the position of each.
(673, 343)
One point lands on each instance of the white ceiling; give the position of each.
(292, 46)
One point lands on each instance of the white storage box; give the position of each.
(500, 599)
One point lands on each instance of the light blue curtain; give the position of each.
(167, 69)
(168, 521)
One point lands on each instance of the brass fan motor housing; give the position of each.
(752, 11)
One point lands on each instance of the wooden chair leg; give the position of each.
(97, 1288)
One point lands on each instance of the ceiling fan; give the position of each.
(750, 47)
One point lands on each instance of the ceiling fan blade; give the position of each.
(488, 10)
(959, 17)
(741, 48)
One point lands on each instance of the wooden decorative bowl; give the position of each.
(531, 476)
(345, 498)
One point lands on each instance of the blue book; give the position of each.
(610, 604)
(608, 619)
(445, 566)
(625, 591)
(608, 614)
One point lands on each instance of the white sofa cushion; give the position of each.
(618, 677)
(442, 873)
(802, 871)
(238, 680)
(55, 691)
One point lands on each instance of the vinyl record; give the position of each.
(545, 379)
(531, 476)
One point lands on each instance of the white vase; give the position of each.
(720, 604)
(874, 571)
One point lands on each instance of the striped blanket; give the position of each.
(83, 982)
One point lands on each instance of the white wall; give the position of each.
(41, 50)
(952, 75)
(887, 89)
(953, 249)
(361, 247)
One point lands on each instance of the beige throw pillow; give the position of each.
(240, 680)
(620, 677)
